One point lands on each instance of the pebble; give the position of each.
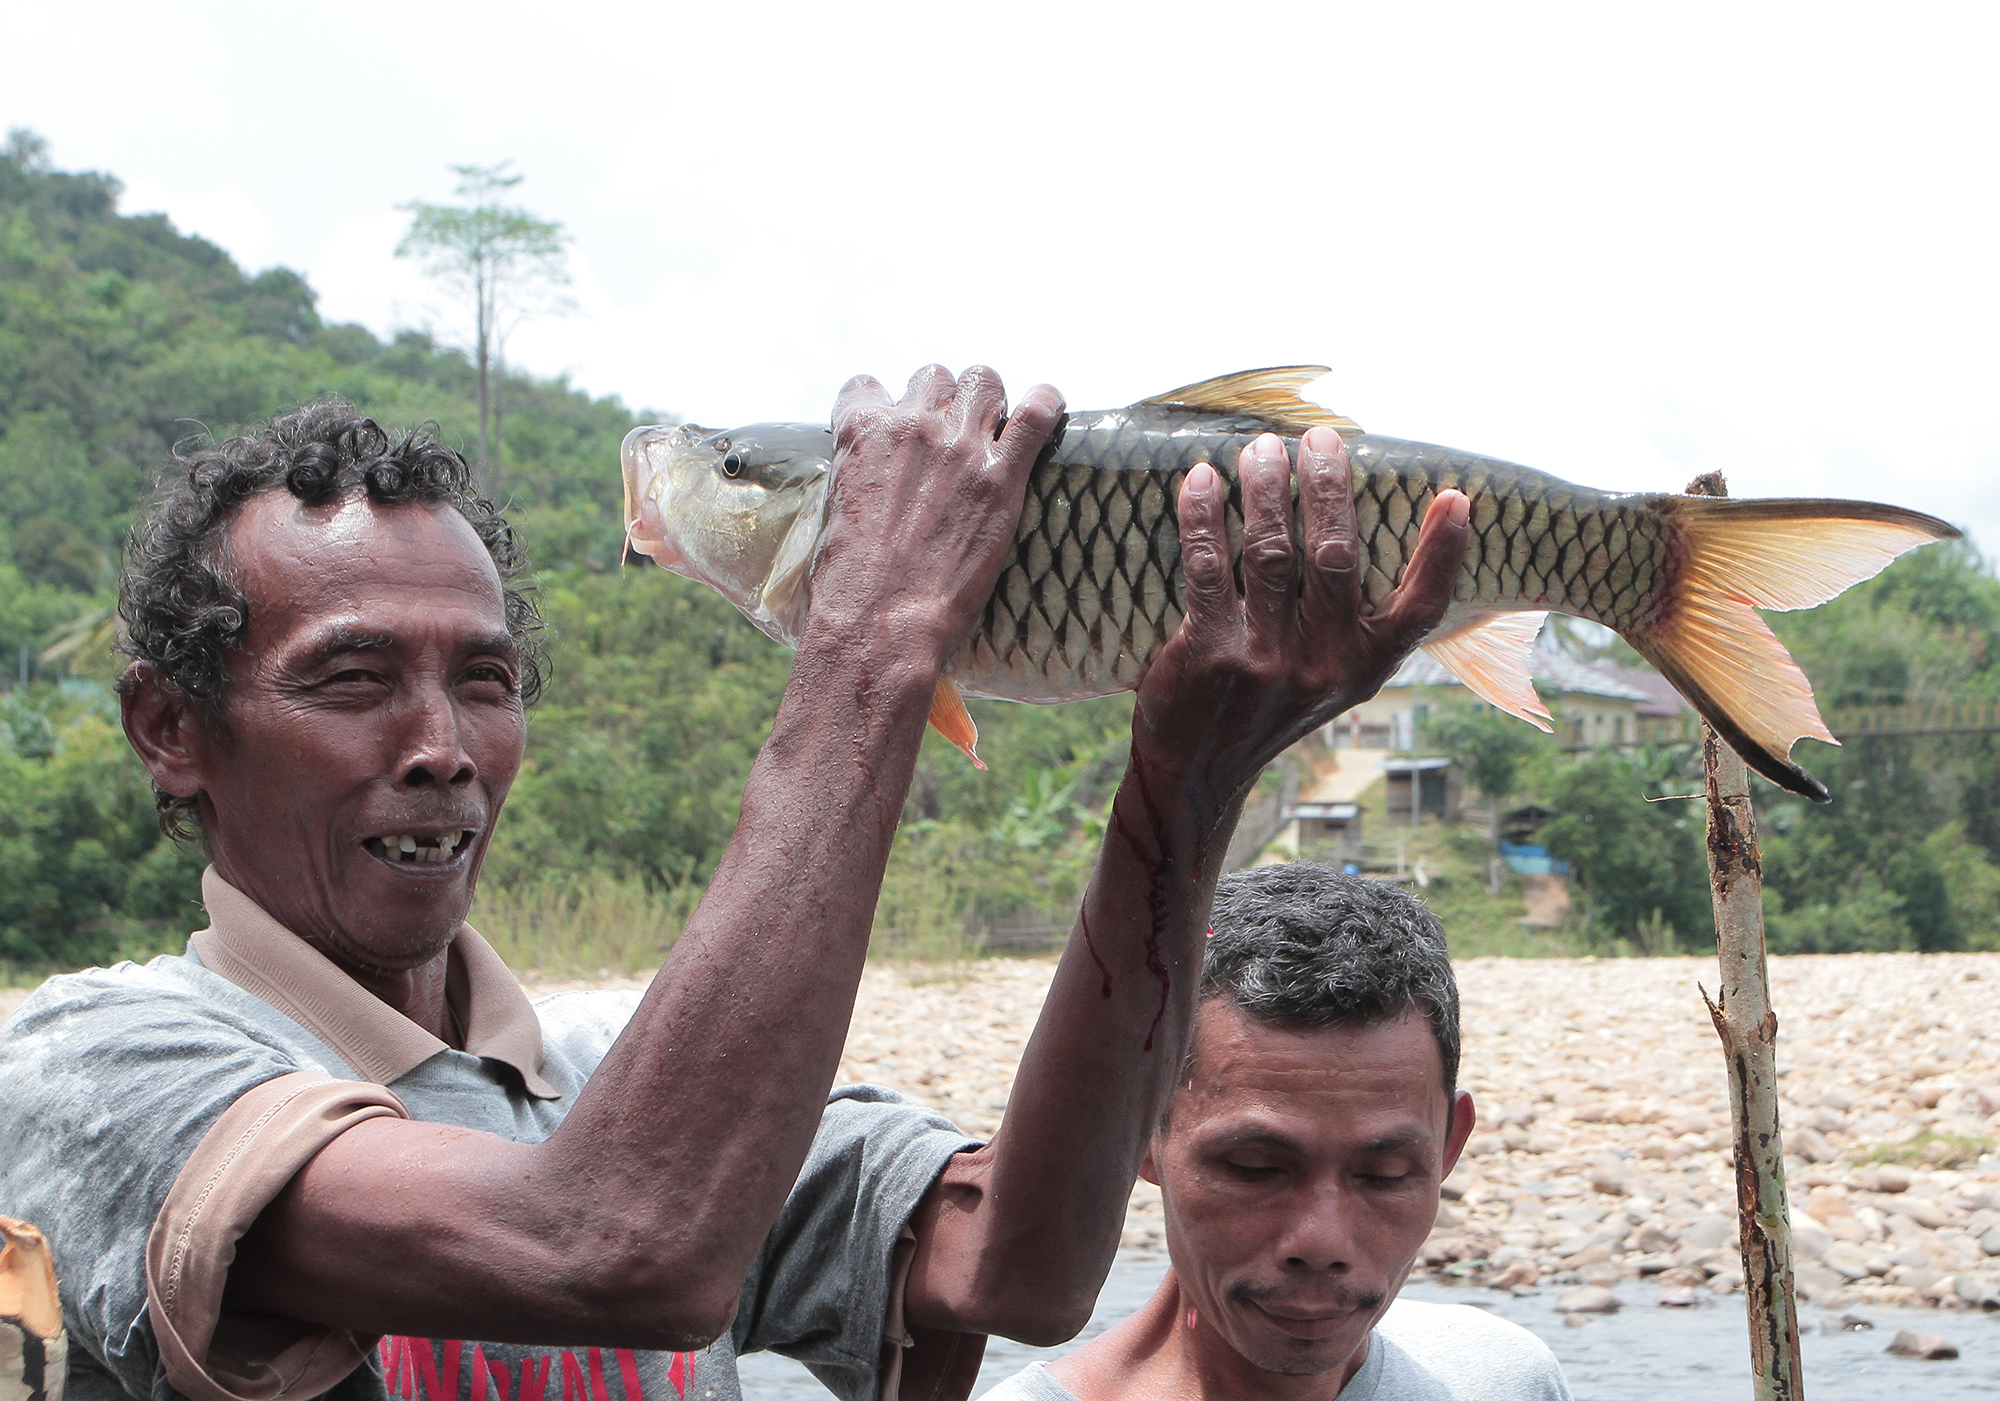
(1588, 1298)
(1928, 1346)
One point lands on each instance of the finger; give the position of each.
(1211, 591)
(979, 403)
(1028, 429)
(930, 389)
(1420, 600)
(863, 391)
(1268, 570)
(1332, 555)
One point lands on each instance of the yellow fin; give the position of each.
(950, 718)
(1736, 557)
(1272, 395)
(28, 1281)
(1493, 656)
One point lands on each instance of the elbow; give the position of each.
(661, 1300)
(1046, 1319)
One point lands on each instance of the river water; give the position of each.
(1643, 1351)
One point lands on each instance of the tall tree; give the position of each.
(509, 262)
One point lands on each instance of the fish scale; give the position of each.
(1093, 589)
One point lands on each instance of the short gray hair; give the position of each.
(1302, 945)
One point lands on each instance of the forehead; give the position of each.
(1317, 1077)
(299, 564)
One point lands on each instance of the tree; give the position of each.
(509, 262)
(1490, 746)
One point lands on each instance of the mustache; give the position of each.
(1340, 1296)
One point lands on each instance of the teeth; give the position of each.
(433, 851)
(409, 844)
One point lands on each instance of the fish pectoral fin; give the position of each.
(1494, 658)
(1270, 394)
(1737, 557)
(950, 718)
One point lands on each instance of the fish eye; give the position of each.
(732, 465)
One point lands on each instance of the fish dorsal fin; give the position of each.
(1271, 394)
(1493, 658)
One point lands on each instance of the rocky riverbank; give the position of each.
(1602, 1153)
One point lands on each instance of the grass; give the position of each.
(585, 926)
(1945, 1150)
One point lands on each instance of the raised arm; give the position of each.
(636, 1223)
(1016, 1238)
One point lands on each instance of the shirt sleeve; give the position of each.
(826, 1288)
(110, 1083)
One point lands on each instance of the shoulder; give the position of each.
(1471, 1352)
(1031, 1383)
(582, 1025)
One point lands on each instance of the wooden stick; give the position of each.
(1748, 1027)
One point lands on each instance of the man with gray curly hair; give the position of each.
(334, 1149)
(1299, 1162)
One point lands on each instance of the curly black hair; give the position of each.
(1302, 945)
(179, 600)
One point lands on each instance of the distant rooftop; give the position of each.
(1563, 673)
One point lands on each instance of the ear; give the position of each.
(1463, 1117)
(163, 726)
(1147, 1168)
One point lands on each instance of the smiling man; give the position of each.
(334, 1149)
(1299, 1163)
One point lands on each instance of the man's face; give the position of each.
(375, 697)
(1300, 1171)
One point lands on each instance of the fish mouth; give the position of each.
(645, 527)
(420, 850)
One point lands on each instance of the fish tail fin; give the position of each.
(950, 718)
(1734, 557)
(1493, 656)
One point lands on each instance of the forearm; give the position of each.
(1038, 1214)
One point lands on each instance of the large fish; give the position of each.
(1094, 588)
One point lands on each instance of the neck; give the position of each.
(1154, 1354)
(418, 993)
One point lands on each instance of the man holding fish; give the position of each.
(334, 1146)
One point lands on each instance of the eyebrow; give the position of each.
(344, 638)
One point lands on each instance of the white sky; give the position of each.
(1620, 243)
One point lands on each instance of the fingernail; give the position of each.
(1201, 478)
(1269, 447)
(1461, 508)
(1321, 441)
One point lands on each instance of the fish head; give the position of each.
(740, 510)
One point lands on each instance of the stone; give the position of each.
(1682, 1274)
(1816, 1280)
(1810, 1240)
(1811, 1144)
(1917, 1277)
(1990, 1242)
(1823, 1204)
(1925, 1212)
(1609, 1181)
(1851, 1323)
(1848, 1261)
(1709, 1232)
(1982, 1291)
(1681, 1296)
(1521, 1272)
(1928, 1346)
(1588, 1298)
(1850, 1229)
(1651, 1240)
(1482, 1144)
(1890, 1178)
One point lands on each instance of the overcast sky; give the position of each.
(1620, 243)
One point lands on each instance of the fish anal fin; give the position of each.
(950, 718)
(1270, 394)
(1494, 658)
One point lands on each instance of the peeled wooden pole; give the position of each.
(34, 1351)
(1748, 1027)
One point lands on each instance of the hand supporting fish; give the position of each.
(1095, 587)
(1253, 669)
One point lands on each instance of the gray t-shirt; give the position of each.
(111, 1080)
(1418, 1352)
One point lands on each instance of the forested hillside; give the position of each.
(120, 337)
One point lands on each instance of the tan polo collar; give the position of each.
(259, 955)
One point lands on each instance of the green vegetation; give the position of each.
(120, 337)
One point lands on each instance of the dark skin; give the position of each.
(635, 1223)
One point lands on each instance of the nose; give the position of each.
(434, 751)
(1321, 1236)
